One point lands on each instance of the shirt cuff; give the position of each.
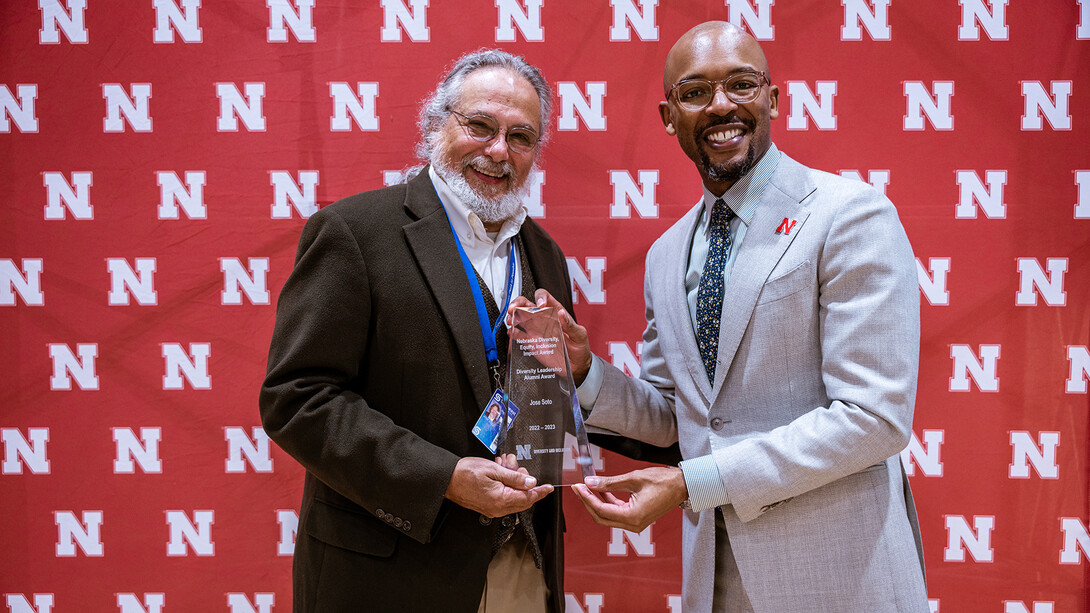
(592, 385)
(706, 489)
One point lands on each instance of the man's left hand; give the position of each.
(653, 493)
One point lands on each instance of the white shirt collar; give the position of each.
(466, 223)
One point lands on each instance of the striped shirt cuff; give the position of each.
(706, 489)
(588, 391)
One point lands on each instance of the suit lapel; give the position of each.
(432, 243)
(677, 309)
(760, 251)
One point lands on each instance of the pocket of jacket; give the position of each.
(357, 531)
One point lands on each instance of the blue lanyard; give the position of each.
(488, 332)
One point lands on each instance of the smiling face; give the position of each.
(489, 176)
(725, 139)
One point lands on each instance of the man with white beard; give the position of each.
(379, 368)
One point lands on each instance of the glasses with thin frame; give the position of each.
(697, 94)
(484, 128)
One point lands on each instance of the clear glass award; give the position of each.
(540, 400)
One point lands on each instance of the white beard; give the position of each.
(491, 209)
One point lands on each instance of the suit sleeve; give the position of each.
(640, 408)
(869, 334)
(311, 401)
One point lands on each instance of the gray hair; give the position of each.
(436, 108)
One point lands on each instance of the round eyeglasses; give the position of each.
(697, 94)
(484, 128)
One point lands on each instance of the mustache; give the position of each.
(749, 123)
(482, 163)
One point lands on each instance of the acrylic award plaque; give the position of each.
(541, 402)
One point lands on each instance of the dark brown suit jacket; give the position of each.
(376, 374)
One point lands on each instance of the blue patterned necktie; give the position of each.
(709, 294)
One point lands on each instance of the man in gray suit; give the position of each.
(781, 351)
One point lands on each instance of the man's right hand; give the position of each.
(493, 490)
(575, 336)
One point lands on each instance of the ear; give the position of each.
(667, 118)
(773, 102)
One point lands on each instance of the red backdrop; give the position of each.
(158, 159)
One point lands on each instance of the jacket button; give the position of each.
(508, 521)
(717, 423)
(397, 522)
(380, 514)
(485, 520)
(407, 526)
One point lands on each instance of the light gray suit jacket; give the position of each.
(811, 405)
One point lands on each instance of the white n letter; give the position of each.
(141, 284)
(977, 539)
(878, 179)
(288, 521)
(642, 197)
(239, 603)
(933, 285)
(144, 450)
(301, 21)
(1075, 538)
(184, 20)
(183, 531)
(256, 450)
(1082, 198)
(983, 371)
(528, 21)
(66, 366)
(937, 107)
(1079, 357)
(641, 542)
(1054, 107)
(973, 12)
(362, 108)
(27, 283)
(134, 107)
(72, 532)
(927, 455)
(1082, 31)
(76, 196)
(589, 107)
(131, 603)
(303, 195)
(22, 112)
(415, 22)
(972, 191)
(1026, 452)
(592, 603)
(1051, 287)
(819, 108)
(17, 603)
(856, 13)
(33, 452)
(190, 195)
(589, 284)
(758, 18)
(627, 17)
(233, 107)
(179, 363)
(253, 283)
(71, 21)
(621, 356)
